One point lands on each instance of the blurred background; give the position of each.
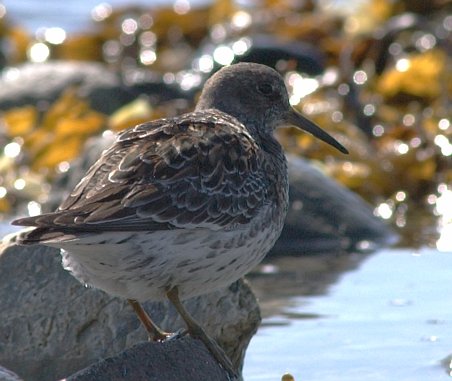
(338, 303)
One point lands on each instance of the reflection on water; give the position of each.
(275, 283)
(389, 319)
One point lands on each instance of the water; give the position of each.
(390, 319)
(71, 15)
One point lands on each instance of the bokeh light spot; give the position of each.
(223, 55)
(38, 52)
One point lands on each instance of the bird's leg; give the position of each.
(196, 331)
(155, 333)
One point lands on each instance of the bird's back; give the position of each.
(199, 170)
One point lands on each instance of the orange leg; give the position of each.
(155, 333)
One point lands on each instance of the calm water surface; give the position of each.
(390, 319)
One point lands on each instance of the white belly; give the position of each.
(144, 265)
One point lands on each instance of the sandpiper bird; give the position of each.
(182, 206)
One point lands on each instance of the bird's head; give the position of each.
(256, 95)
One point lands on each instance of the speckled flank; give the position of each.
(146, 266)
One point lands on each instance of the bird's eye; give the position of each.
(265, 88)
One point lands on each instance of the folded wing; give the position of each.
(196, 170)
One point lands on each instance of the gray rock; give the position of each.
(174, 360)
(34, 83)
(105, 89)
(52, 326)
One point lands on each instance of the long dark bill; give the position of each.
(296, 119)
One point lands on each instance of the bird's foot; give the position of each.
(176, 335)
(155, 333)
(159, 336)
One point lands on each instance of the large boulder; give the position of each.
(324, 216)
(52, 326)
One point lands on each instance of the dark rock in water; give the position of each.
(393, 28)
(52, 326)
(326, 217)
(174, 360)
(268, 50)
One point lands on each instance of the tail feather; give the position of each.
(39, 235)
(30, 221)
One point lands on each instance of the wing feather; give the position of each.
(200, 169)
